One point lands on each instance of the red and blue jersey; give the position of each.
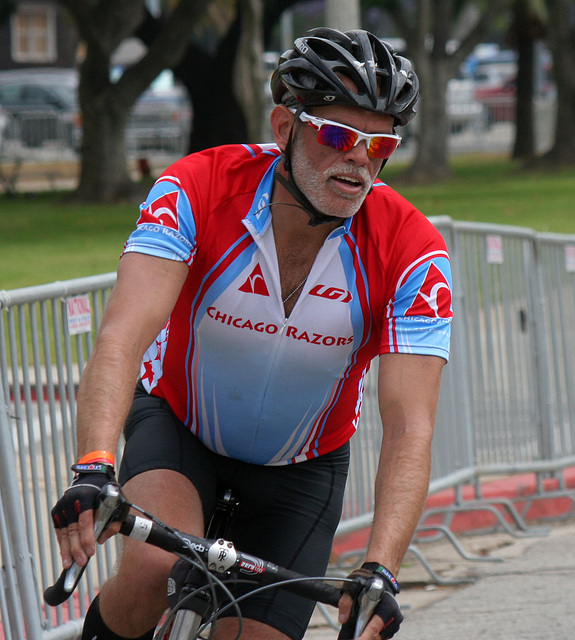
(247, 381)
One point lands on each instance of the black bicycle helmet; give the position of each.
(385, 81)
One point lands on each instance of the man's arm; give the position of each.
(139, 307)
(408, 391)
(408, 396)
(146, 291)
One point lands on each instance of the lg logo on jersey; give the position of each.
(331, 293)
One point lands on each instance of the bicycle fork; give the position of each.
(186, 625)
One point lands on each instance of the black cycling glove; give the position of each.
(387, 608)
(83, 493)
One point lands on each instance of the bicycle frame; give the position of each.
(216, 557)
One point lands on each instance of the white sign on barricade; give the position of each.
(79, 314)
(494, 249)
(570, 258)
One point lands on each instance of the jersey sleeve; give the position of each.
(166, 227)
(418, 317)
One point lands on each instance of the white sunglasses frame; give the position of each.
(320, 122)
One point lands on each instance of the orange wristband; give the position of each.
(98, 456)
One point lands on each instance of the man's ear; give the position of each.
(281, 119)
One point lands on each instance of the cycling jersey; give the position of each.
(250, 383)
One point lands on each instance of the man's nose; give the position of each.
(359, 153)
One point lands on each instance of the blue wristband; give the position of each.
(379, 569)
(94, 467)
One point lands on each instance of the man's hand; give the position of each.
(73, 514)
(386, 617)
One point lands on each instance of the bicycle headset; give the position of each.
(309, 75)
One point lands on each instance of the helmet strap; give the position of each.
(315, 217)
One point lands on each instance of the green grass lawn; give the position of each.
(44, 238)
(487, 189)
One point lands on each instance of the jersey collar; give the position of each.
(259, 216)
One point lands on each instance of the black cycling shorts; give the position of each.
(286, 514)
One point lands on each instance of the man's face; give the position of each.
(337, 182)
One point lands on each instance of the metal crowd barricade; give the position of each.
(519, 288)
(500, 283)
(452, 459)
(46, 336)
(556, 257)
(507, 403)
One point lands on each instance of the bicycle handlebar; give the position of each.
(220, 556)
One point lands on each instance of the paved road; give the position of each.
(529, 595)
(54, 166)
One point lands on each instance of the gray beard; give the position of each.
(315, 187)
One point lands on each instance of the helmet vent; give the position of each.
(311, 72)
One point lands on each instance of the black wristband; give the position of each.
(94, 467)
(380, 570)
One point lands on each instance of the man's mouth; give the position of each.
(348, 183)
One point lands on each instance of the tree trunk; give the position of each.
(562, 43)
(104, 172)
(431, 162)
(103, 167)
(248, 77)
(218, 116)
(524, 32)
(428, 29)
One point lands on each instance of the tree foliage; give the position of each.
(213, 65)
(102, 25)
(214, 47)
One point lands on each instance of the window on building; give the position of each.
(34, 34)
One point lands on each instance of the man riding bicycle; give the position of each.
(258, 286)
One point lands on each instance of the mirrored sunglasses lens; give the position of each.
(336, 137)
(381, 147)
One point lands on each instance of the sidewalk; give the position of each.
(527, 596)
(520, 586)
(22, 175)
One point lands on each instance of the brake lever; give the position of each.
(111, 499)
(112, 506)
(368, 600)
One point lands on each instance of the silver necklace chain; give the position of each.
(300, 285)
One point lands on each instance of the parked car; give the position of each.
(4, 120)
(495, 70)
(42, 105)
(161, 118)
(464, 111)
(495, 77)
(499, 101)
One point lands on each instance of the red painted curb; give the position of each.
(522, 491)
